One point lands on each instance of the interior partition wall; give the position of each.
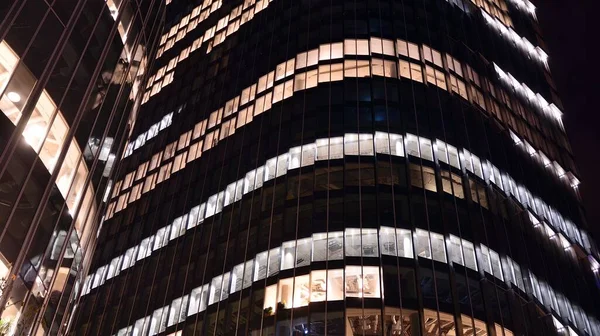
(345, 167)
(71, 76)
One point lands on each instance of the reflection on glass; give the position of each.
(363, 322)
(17, 92)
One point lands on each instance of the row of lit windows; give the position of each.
(349, 145)
(367, 144)
(496, 8)
(191, 21)
(187, 24)
(197, 148)
(524, 6)
(230, 24)
(543, 160)
(360, 321)
(526, 93)
(451, 79)
(522, 43)
(164, 76)
(338, 284)
(214, 36)
(46, 132)
(153, 131)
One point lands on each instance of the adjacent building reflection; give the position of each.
(69, 73)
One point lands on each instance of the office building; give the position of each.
(365, 167)
(70, 79)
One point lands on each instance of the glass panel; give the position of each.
(288, 254)
(496, 265)
(274, 261)
(404, 238)
(303, 250)
(387, 241)
(455, 250)
(422, 244)
(17, 91)
(237, 278)
(286, 288)
(335, 284)
(335, 245)
(301, 291)
(469, 254)
(260, 266)
(319, 250)
(369, 243)
(438, 247)
(353, 242)
(270, 303)
(371, 283)
(318, 286)
(353, 281)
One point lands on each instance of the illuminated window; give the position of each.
(260, 266)
(422, 246)
(324, 74)
(274, 263)
(390, 69)
(318, 286)
(452, 184)
(377, 67)
(301, 291)
(270, 303)
(285, 292)
(423, 177)
(491, 262)
(426, 149)
(404, 243)
(455, 250)
(288, 254)
(303, 252)
(387, 241)
(411, 71)
(362, 282)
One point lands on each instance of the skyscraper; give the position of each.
(363, 167)
(70, 75)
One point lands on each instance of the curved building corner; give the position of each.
(364, 167)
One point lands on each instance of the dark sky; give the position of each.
(572, 32)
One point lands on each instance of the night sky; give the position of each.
(572, 33)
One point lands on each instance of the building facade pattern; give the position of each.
(70, 78)
(345, 168)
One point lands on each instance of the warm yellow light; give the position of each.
(33, 134)
(14, 97)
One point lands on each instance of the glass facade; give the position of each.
(345, 168)
(71, 75)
